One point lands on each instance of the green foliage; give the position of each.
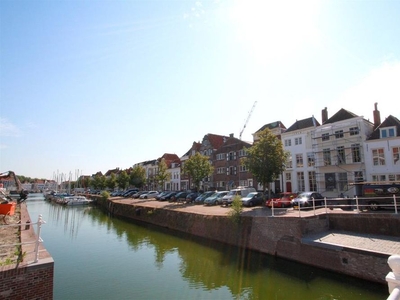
(123, 180)
(137, 177)
(236, 209)
(111, 182)
(162, 175)
(198, 167)
(105, 195)
(98, 182)
(266, 159)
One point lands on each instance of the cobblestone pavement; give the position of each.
(387, 245)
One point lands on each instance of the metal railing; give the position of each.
(393, 278)
(38, 240)
(357, 204)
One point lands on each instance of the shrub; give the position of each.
(236, 209)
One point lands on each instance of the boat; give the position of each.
(76, 200)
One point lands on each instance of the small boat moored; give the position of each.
(76, 200)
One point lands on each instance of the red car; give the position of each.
(282, 200)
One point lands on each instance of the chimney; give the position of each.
(324, 115)
(231, 135)
(377, 117)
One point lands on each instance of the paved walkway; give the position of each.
(387, 245)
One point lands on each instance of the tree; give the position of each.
(266, 159)
(137, 177)
(99, 182)
(123, 180)
(111, 182)
(197, 168)
(162, 175)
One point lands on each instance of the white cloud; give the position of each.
(8, 129)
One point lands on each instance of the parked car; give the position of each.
(130, 192)
(191, 197)
(379, 196)
(252, 199)
(216, 198)
(281, 200)
(181, 196)
(242, 192)
(148, 195)
(167, 196)
(137, 195)
(305, 199)
(158, 197)
(200, 198)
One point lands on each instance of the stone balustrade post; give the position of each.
(393, 278)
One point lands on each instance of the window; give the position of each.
(378, 157)
(358, 176)
(298, 141)
(396, 155)
(388, 132)
(242, 152)
(231, 156)
(327, 157)
(232, 171)
(342, 181)
(288, 176)
(220, 170)
(288, 143)
(379, 178)
(289, 163)
(330, 181)
(312, 181)
(325, 136)
(242, 168)
(300, 181)
(310, 159)
(354, 131)
(355, 153)
(339, 134)
(341, 157)
(220, 156)
(299, 160)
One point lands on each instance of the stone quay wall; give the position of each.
(279, 236)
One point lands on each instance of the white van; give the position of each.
(240, 191)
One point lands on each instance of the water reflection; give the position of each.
(166, 264)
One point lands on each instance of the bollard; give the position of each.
(393, 278)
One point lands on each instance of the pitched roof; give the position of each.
(272, 125)
(389, 122)
(305, 123)
(341, 115)
(215, 140)
(170, 158)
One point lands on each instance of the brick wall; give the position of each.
(31, 282)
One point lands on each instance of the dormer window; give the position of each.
(388, 132)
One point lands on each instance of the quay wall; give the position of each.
(279, 236)
(27, 279)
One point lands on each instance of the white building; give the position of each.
(338, 146)
(382, 152)
(300, 171)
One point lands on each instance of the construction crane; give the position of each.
(248, 118)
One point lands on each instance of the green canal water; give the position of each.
(100, 257)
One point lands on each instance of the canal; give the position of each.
(100, 257)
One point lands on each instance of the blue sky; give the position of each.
(88, 86)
